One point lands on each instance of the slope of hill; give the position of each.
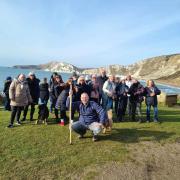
(165, 69)
(53, 66)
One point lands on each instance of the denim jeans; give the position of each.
(148, 110)
(81, 129)
(107, 102)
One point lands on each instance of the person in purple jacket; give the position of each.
(91, 116)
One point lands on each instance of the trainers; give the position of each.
(147, 121)
(94, 138)
(62, 122)
(156, 121)
(18, 123)
(80, 136)
(10, 126)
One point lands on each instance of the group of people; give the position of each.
(93, 96)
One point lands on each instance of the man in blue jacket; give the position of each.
(91, 116)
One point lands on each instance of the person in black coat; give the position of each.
(6, 92)
(81, 87)
(52, 81)
(33, 84)
(44, 91)
(151, 92)
(56, 89)
(136, 92)
(121, 92)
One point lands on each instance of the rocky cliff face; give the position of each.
(165, 69)
(53, 66)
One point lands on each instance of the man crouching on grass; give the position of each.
(91, 116)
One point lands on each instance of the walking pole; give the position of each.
(70, 118)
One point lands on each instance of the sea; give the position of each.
(14, 72)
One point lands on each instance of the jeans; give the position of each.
(107, 102)
(52, 104)
(148, 110)
(81, 129)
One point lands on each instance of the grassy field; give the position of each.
(43, 152)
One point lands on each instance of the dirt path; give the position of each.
(147, 161)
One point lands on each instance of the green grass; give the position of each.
(43, 152)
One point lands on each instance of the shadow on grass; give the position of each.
(136, 135)
(169, 116)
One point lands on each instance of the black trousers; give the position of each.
(31, 112)
(7, 103)
(62, 114)
(15, 112)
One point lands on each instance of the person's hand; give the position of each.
(13, 99)
(101, 125)
(110, 94)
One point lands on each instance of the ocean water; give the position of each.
(13, 72)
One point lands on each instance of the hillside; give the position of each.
(165, 69)
(53, 66)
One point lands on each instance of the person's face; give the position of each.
(151, 84)
(70, 81)
(129, 78)
(22, 77)
(94, 78)
(112, 78)
(84, 98)
(58, 79)
(117, 80)
(31, 77)
(81, 81)
(103, 72)
(135, 81)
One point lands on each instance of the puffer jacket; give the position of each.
(19, 93)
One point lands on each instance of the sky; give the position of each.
(87, 33)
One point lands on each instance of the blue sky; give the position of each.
(87, 33)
